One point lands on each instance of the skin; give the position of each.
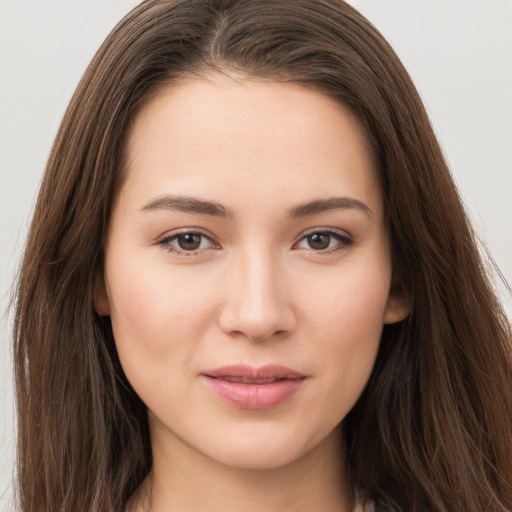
(255, 290)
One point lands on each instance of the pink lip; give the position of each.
(254, 393)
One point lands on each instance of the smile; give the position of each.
(249, 388)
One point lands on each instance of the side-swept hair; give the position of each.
(433, 428)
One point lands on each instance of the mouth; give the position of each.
(245, 380)
(254, 388)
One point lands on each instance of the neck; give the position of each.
(191, 481)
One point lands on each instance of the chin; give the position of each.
(257, 457)
(265, 450)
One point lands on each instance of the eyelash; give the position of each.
(344, 242)
(167, 243)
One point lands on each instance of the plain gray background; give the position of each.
(459, 53)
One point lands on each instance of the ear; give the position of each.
(101, 301)
(398, 305)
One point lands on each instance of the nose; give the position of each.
(258, 304)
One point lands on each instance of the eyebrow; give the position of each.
(333, 203)
(197, 206)
(188, 205)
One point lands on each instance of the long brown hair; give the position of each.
(433, 428)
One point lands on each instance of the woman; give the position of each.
(250, 281)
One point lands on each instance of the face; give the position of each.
(247, 269)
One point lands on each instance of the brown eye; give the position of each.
(189, 241)
(324, 242)
(319, 241)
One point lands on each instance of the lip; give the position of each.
(246, 387)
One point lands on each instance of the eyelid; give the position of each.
(326, 229)
(183, 231)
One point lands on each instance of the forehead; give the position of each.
(231, 137)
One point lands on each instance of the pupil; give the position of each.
(189, 241)
(319, 241)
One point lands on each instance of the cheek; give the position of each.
(158, 316)
(348, 321)
(351, 301)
